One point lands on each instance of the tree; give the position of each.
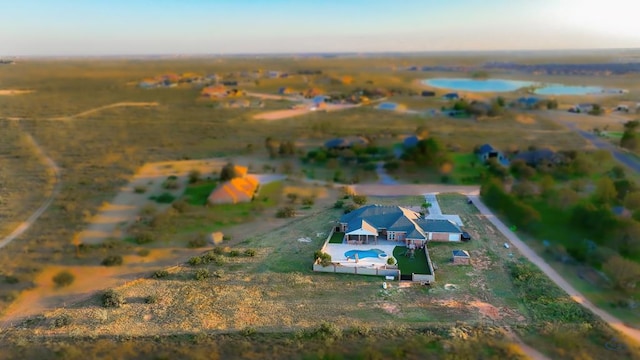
(629, 138)
(523, 189)
(623, 187)
(359, 199)
(547, 185)
(632, 200)
(228, 172)
(422, 132)
(194, 176)
(627, 238)
(564, 199)
(624, 273)
(272, 146)
(605, 192)
(552, 104)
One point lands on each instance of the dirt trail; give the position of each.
(114, 216)
(111, 106)
(12, 92)
(45, 205)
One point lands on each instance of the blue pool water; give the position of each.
(503, 85)
(558, 89)
(373, 253)
(474, 85)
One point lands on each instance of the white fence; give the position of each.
(338, 269)
(425, 278)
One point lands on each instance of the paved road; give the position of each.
(624, 158)
(552, 274)
(36, 214)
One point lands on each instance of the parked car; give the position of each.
(465, 236)
(506, 246)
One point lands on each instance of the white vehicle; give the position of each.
(506, 246)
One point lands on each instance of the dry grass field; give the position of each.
(78, 112)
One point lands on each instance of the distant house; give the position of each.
(237, 190)
(427, 93)
(486, 152)
(216, 91)
(319, 99)
(535, 157)
(346, 143)
(411, 141)
(230, 83)
(622, 108)
(148, 83)
(389, 106)
(461, 257)
(581, 108)
(528, 102)
(286, 91)
(371, 223)
(273, 74)
(451, 96)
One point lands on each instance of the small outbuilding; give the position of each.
(461, 257)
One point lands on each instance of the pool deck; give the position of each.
(337, 252)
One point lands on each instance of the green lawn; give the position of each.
(336, 238)
(417, 265)
(467, 169)
(197, 194)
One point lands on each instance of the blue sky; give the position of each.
(120, 27)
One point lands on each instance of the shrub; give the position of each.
(338, 205)
(164, 198)
(391, 261)
(112, 299)
(234, 253)
(180, 206)
(160, 274)
(10, 279)
(112, 260)
(63, 278)
(194, 176)
(323, 257)
(62, 321)
(328, 330)
(218, 250)
(143, 237)
(140, 189)
(286, 212)
(250, 253)
(171, 183)
(359, 199)
(198, 241)
(202, 274)
(151, 299)
(248, 331)
(226, 237)
(143, 252)
(308, 201)
(195, 261)
(349, 208)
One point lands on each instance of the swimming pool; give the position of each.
(372, 253)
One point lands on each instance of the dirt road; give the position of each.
(111, 106)
(45, 205)
(552, 274)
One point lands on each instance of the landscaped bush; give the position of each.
(391, 261)
(325, 259)
(359, 199)
(218, 250)
(112, 260)
(308, 201)
(286, 212)
(234, 253)
(171, 183)
(202, 274)
(338, 204)
(350, 207)
(250, 252)
(140, 189)
(112, 299)
(160, 274)
(63, 278)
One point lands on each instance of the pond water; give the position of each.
(478, 85)
(504, 85)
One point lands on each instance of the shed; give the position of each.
(451, 96)
(461, 257)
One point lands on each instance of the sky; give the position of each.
(139, 27)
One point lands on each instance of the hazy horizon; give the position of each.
(198, 27)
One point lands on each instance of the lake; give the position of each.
(504, 85)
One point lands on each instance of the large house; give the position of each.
(486, 152)
(394, 223)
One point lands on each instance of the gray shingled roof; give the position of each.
(438, 225)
